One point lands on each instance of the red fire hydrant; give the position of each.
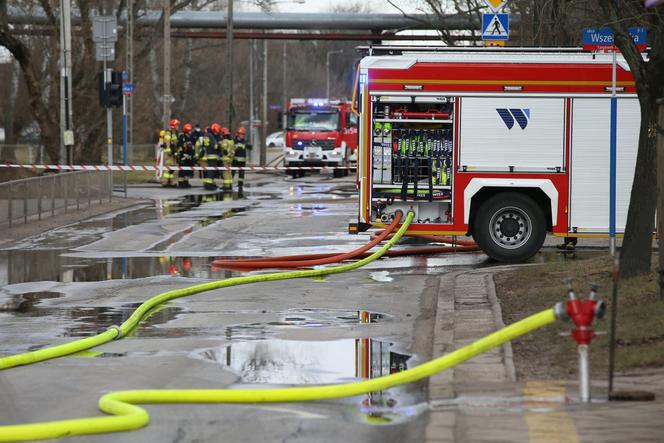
(583, 314)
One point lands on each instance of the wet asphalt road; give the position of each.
(73, 281)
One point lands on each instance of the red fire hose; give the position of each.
(437, 239)
(296, 261)
(309, 260)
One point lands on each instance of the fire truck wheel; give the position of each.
(509, 227)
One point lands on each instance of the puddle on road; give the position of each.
(293, 362)
(49, 265)
(554, 255)
(305, 318)
(84, 321)
(23, 303)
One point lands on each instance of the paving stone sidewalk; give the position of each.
(481, 400)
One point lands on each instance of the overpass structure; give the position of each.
(281, 26)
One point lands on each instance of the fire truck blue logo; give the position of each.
(509, 116)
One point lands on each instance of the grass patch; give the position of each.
(546, 354)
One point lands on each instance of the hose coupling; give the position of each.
(560, 311)
(118, 336)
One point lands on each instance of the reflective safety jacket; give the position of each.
(227, 149)
(241, 148)
(186, 154)
(170, 141)
(207, 148)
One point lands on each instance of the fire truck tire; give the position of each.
(509, 227)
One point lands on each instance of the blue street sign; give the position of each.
(495, 26)
(602, 38)
(125, 76)
(128, 88)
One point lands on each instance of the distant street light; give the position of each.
(327, 70)
(263, 150)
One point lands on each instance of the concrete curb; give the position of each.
(498, 319)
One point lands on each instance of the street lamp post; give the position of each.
(284, 97)
(229, 60)
(263, 150)
(327, 70)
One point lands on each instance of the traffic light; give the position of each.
(110, 94)
(103, 93)
(115, 89)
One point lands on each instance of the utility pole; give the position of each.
(130, 72)
(327, 70)
(229, 61)
(660, 196)
(252, 46)
(166, 15)
(263, 157)
(66, 133)
(284, 96)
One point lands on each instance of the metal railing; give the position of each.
(38, 197)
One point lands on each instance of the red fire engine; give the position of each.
(320, 132)
(503, 145)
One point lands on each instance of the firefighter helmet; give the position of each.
(216, 128)
(162, 133)
(241, 131)
(174, 123)
(225, 131)
(187, 128)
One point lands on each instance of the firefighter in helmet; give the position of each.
(240, 156)
(185, 156)
(227, 152)
(208, 153)
(170, 146)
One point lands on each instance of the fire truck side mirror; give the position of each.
(280, 120)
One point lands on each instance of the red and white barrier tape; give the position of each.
(169, 168)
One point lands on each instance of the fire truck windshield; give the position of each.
(313, 120)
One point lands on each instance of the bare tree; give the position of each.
(648, 74)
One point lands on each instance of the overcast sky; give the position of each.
(379, 6)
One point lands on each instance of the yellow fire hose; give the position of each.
(125, 415)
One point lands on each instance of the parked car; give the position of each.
(275, 139)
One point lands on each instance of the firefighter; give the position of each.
(185, 156)
(240, 155)
(207, 148)
(170, 146)
(196, 133)
(227, 149)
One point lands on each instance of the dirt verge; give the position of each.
(545, 354)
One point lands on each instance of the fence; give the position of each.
(38, 197)
(34, 153)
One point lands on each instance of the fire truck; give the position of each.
(320, 132)
(503, 145)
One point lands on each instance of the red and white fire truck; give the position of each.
(320, 132)
(498, 144)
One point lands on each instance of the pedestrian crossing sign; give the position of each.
(495, 26)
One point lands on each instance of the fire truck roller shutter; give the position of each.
(589, 184)
(512, 134)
